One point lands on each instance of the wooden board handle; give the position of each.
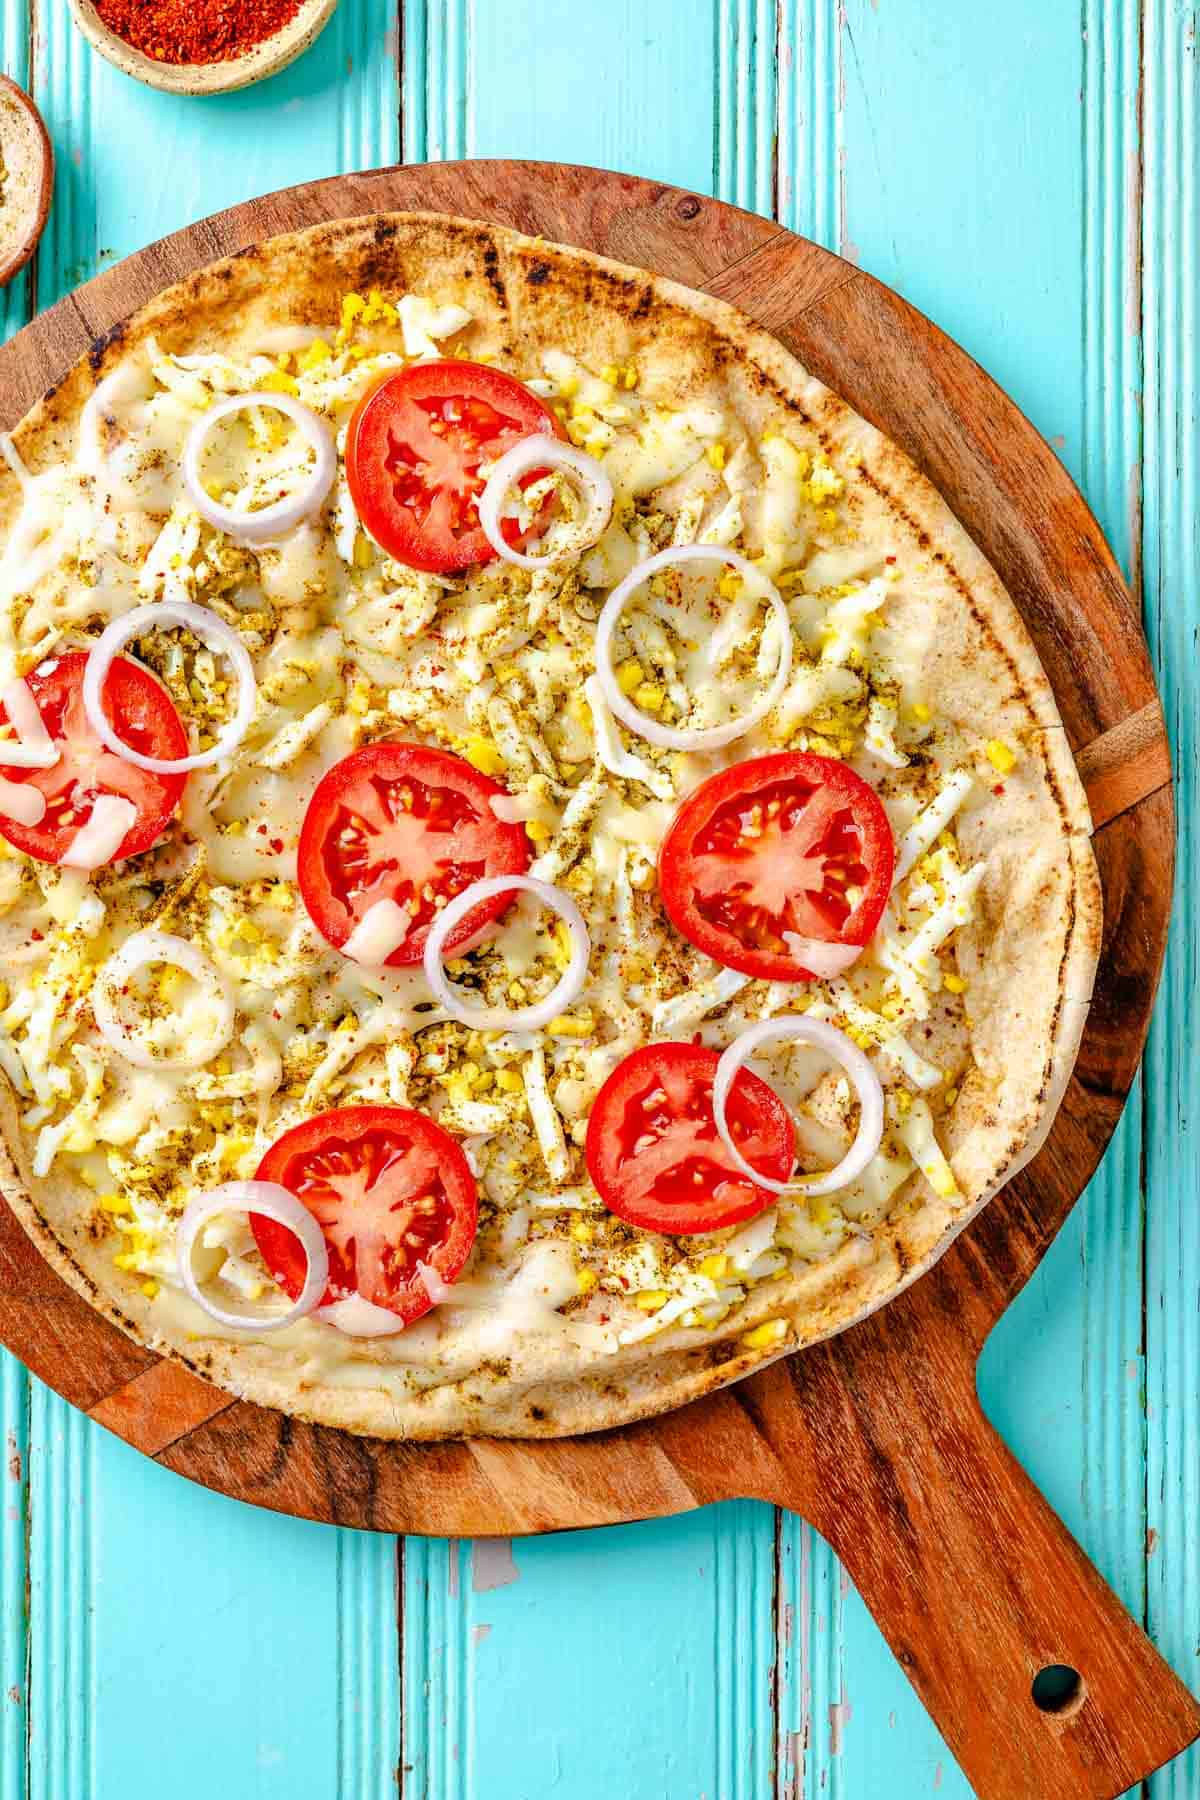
(1026, 1619)
(975, 1582)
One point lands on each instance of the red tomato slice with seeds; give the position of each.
(781, 844)
(652, 1146)
(407, 823)
(414, 451)
(143, 716)
(389, 1189)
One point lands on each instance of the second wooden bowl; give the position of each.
(26, 175)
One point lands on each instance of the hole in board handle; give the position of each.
(1058, 1689)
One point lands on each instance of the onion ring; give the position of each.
(544, 452)
(498, 1018)
(273, 1202)
(858, 1067)
(273, 521)
(160, 946)
(212, 631)
(668, 737)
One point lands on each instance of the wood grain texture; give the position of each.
(1169, 242)
(916, 1469)
(15, 1381)
(62, 1594)
(1123, 766)
(1077, 1339)
(764, 1439)
(158, 1406)
(14, 1623)
(829, 1661)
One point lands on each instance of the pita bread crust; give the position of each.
(1036, 945)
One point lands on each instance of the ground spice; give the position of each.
(195, 31)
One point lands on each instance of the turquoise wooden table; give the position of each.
(1026, 175)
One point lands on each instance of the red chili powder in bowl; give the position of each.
(195, 31)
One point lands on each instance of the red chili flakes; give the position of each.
(195, 31)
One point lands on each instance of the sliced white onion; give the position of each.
(14, 459)
(669, 737)
(161, 947)
(513, 809)
(381, 930)
(498, 1018)
(837, 1045)
(819, 957)
(33, 747)
(273, 521)
(438, 1290)
(96, 843)
(203, 623)
(273, 1202)
(21, 801)
(356, 1317)
(544, 452)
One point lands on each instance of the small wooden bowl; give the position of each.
(255, 64)
(29, 170)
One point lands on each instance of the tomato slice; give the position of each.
(143, 716)
(652, 1146)
(389, 1189)
(406, 823)
(785, 843)
(414, 451)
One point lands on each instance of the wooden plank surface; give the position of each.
(1168, 241)
(831, 1450)
(641, 1662)
(1031, 261)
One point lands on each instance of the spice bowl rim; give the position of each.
(10, 269)
(254, 64)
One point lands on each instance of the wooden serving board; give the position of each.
(877, 1437)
